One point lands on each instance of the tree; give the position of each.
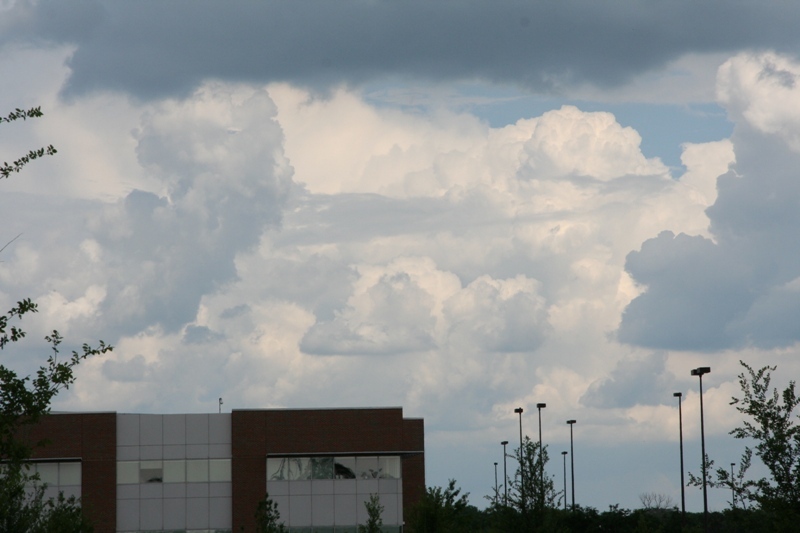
(374, 512)
(24, 508)
(267, 517)
(770, 421)
(440, 510)
(23, 401)
(655, 501)
(743, 490)
(531, 490)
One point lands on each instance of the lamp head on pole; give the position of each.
(504, 442)
(570, 422)
(563, 453)
(699, 371)
(541, 405)
(518, 410)
(677, 394)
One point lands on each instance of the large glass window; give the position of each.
(127, 472)
(175, 471)
(299, 468)
(322, 468)
(277, 469)
(362, 467)
(367, 467)
(48, 473)
(344, 468)
(390, 467)
(197, 470)
(69, 473)
(151, 472)
(219, 470)
(56, 473)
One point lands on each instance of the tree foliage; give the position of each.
(440, 510)
(7, 169)
(374, 515)
(655, 501)
(533, 502)
(25, 509)
(23, 401)
(267, 517)
(532, 489)
(770, 421)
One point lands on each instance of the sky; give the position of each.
(458, 207)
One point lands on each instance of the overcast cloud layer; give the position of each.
(156, 48)
(236, 234)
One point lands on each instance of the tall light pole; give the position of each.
(733, 492)
(495, 483)
(678, 395)
(539, 407)
(572, 461)
(505, 472)
(699, 371)
(518, 410)
(564, 454)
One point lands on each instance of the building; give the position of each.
(208, 472)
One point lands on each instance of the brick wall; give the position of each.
(319, 431)
(91, 437)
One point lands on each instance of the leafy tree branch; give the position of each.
(7, 169)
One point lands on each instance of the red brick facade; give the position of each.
(92, 438)
(255, 434)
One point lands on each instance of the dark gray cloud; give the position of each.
(695, 289)
(742, 288)
(632, 382)
(157, 48)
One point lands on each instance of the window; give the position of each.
(48, 473)
(57, 473)
(127, 472)
(176, 471)
(219, 470)
(277, 469)
(197, 471)
(151, 472)
(69, 473)
(361, 467)
(344, 468)
(367, 467)
(299, 468)
(322, 468)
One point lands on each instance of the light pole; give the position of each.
(495, 483)
(733, 492)
(518, 410)
(505, 472)
(699, 371)
(539, 407)
(572, 461)
(678, 395)
(564, 454)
